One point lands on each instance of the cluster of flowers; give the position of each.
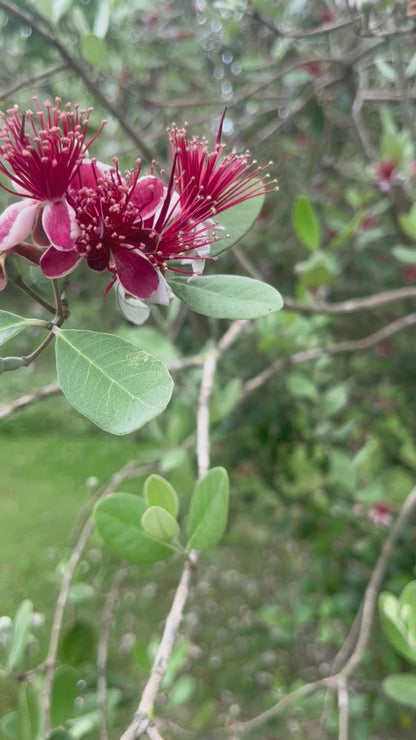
(76, 208)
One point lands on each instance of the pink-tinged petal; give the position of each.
(163, 294)
(16, 223)
(57, 263)
(147, 195)
(136, 274)
(58, 221)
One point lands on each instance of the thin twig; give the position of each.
(77, 551)
(313, 354)
(353, 304)
(374, 584)
(102, 647)
(252, 724)
(7, 409)
(142, 720)
(31, 81)
(343, 713)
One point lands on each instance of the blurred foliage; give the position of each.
(322, 455)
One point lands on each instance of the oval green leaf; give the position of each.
(114, 383)
(11, 324)
(235, 223)
(208, 510)
(21, 628)
(160, 524)
(227, 296)
(159, 492)
(402, 688)
(118, 520)
(305, 223)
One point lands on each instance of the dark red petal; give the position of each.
(57, 263)
(38, 232)
(136, 274)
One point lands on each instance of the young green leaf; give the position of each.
(305, 223)
(20, 633)
(11, 324)
(234, 223)
(118, 520)
(159, 492)
(160, 524)
(227, 296)
(113, 382)
(208, 510)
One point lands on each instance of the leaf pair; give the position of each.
(146, 530)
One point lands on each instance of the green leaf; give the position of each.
(235, 223)
(102, 18)
(11, 324)
(407, 602)
(305, 223)
(118, 520)
(8, 727)
(64, 694)
(227, 296)
(394, 627)
(405, 254)
(159, 492)
(113, 382)
(402, 688)
(93, 49)
(208, 510)
(29, 715)
(21, 628)
(78, 643)
(407, 222)
(386, 70)
(301, 386)
(182, 690)
(317, 270)
(161, 525)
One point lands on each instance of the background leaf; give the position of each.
(64, 694)
(20, 633)
(208, 510)
(113, 382)
(402, 688)
(227, 296)
(11, 324)
(305, 223)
